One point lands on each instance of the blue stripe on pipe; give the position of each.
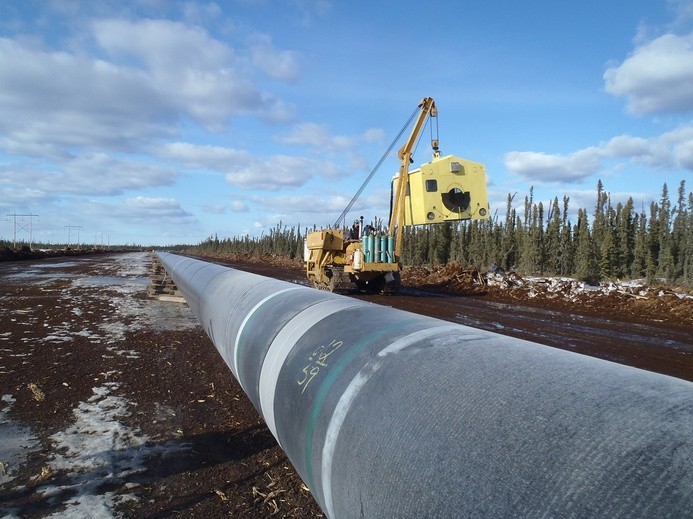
(350, 393)
(282, 345)
(325, 387)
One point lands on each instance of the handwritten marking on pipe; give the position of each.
(317, 360)
(351, 392)
(282, 345)
(324, 390)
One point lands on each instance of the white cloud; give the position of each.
(247, 171)
(55, 98)
(214, 208)
(672, 149)
(198, 13)
(194, 156)
(91, 174)
(657, 77)
(18, 146)
(683, 151)
(653, 152)
(23, 198)
(201, 76)
(153, 72)
(303, 203)
(153, 210)
(130, 219)
(281, 171)
(374, 135)
(277, 64)
(102, 174)
(317, 136)
(238, 206)
(554, 168)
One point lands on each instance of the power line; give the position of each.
(23, 225)
(69, 228)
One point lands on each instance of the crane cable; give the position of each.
(342, 216)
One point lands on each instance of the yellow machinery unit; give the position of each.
(365, 258)
(446, 189)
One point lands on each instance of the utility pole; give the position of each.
(23, 226)
(69, 228)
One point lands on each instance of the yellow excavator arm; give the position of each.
(428, 108)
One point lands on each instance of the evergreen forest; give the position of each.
(610, 242)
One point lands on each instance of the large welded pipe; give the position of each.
(385, 413)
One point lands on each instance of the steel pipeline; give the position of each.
(385, 413)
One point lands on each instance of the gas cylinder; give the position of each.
(358, 259)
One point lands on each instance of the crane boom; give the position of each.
(428, 108)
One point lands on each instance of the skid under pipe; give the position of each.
(386, 414)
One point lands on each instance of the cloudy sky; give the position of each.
(158, 122)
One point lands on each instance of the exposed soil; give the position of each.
(188, 442)
(84, 339)
(642, 303)
(27, 253)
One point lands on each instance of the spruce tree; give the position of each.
(553, 239)
(443, 242)
(586, 268)
(679, 229)
(508, 241)
(687, 246)
(665, 260)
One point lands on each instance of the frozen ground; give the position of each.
(117, 405)
(96, 450)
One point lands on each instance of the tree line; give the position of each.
(620, 241)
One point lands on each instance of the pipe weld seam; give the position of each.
(236, 351)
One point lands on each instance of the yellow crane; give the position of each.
(368, 259)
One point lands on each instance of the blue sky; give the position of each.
(157, 122)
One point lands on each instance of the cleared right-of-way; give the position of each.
(654, 347)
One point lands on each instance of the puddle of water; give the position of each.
(64, 264)
(110, 280)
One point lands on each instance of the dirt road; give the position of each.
(115, 404)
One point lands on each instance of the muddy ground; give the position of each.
(114, 404)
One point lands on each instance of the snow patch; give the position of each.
(96, 452)
(17, 442)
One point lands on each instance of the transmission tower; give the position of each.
(23, 222)
(69, 228)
